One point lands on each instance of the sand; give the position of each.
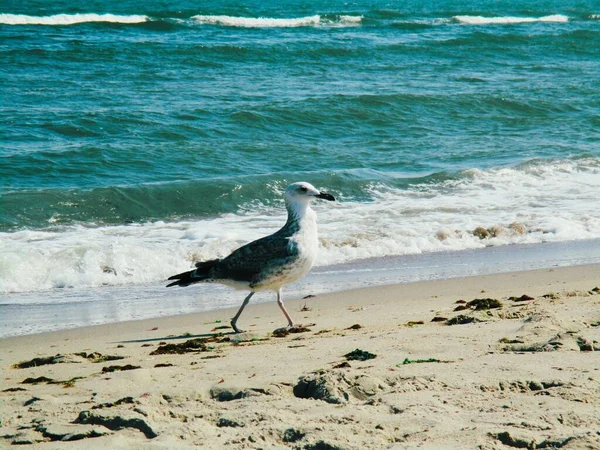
(519, 373)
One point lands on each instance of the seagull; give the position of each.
(271, 262)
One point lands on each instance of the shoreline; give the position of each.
(39, 312)
(411, 291)
(514, 374)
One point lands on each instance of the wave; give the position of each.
(534, 202)
(266, 22)
(114, 205)
(69, 19)
(260, 22)
(480, 20)
(316, 20)
(350, 19)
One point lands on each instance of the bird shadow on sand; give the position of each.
(182, 336)
(227, 335)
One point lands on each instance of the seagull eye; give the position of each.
(303, 188)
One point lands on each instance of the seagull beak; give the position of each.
(326, 196)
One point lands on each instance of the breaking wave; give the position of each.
(537, 201)
(69, 19)
(480, 20)
(267, 22)
(317, 20)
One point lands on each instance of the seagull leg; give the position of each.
(285, 313)
(239, 313)
(292, 327)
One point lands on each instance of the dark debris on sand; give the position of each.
(343, 365)
(93, 357)
(110, 369)
(461, 308)
(224, 422)
(522, 298)
(96, 357)
(35, 362)
(292, 435)
(283, 332)
(479, 304)
(359, 355)
(193, 345)
(116, 422)
(65, 383)
(121, 401)
(461, 319)
(37, 380)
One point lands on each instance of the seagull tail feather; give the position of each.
(200, 273)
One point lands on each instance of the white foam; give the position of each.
(258, 22)
(350, 19)
(68, 19)
(552, 201)
(266, 22)
(117, 255)
(232, 21)
(480, 20)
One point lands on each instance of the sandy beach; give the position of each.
(498, 361)
(446, 278)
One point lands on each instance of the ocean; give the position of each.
(139, 137)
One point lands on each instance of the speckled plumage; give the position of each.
(271, 262)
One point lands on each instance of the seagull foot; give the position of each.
(235, 328)
(295, 328)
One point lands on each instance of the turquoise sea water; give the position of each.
(137, 137)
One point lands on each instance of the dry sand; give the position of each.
(523, 375)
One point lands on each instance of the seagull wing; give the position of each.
(257, 259)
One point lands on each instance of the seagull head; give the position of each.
(303, 192)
